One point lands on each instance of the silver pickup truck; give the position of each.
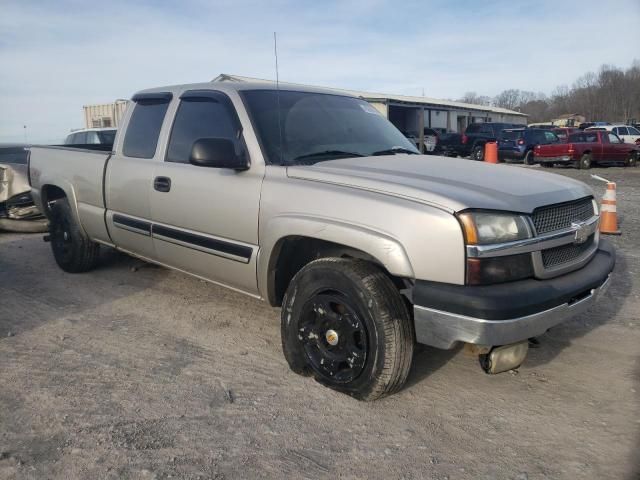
(314, 202)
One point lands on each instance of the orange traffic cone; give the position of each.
(608, 215)
(491, 152)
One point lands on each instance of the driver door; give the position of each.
(205, 219)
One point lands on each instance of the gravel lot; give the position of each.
(134, 371)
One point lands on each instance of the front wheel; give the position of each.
(345, 323)
(585, 162)
(632, 160)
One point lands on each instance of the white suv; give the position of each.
(627, 133)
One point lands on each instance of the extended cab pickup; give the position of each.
(312, 201)
(587, 148)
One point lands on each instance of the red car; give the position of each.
(586, 148)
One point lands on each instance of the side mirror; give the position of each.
(216, 153)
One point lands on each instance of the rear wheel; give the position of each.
(345, 323)
(478, 153)
(585, 162)
(632, 160)
(528, 158)
(73, 250)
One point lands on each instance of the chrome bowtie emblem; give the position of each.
(582, 233)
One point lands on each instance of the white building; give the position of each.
(104, 115)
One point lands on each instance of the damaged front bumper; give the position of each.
(20, 214)
(511, 312)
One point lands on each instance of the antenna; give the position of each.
(275, 52)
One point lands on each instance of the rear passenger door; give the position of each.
(205, 219)
(129, 175)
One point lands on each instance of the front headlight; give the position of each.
(482, 228)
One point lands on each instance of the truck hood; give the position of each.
(451, 184)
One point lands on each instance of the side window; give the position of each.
(92, 138)
(200, 117)
(550, 137)
(623, 131)
(141, 138)
(80, 138)
(633, 131)
(613, 138)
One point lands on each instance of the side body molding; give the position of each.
(384, 248)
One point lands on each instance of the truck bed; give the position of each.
(79, 172)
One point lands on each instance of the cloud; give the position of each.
(57, 57)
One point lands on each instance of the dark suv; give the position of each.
(477, 134)
(517, 144)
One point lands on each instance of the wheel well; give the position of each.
(292, 253)
(49, 194)
(587, 152)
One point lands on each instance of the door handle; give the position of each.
(162, 184)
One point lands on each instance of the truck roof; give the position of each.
(239, 86)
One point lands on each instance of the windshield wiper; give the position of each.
(394, 150)
(328, 153)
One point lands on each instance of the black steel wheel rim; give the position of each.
(61, 238)
(333, 337)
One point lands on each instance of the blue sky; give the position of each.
(58, 56)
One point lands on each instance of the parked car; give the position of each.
(92, 136)
(430, 139)
(313, 201)
(517, 144)
(585, 125)
(477, 135)
(626, 133)
(18, 213)
(588, 148)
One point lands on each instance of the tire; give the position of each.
(24, 226)
(585, 162)
(73, 251)
(352, 303)
(632, 160)
(477, 153)
(528, 158)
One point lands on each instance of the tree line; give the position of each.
(611, 95)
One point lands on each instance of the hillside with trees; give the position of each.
(612, 94)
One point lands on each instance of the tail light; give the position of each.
(571, 148)
(521, 142)
(638, 141)
(465, 139)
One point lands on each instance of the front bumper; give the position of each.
(507, 313)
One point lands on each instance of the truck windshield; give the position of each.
(313, 127)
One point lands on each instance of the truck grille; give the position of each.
(565, 253)
(560, 216)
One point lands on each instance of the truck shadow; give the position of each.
(34, 291)
(428, 360)
(558, 338)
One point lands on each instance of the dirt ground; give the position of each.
(134, 371)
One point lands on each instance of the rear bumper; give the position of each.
(558, 159)
(507, 313)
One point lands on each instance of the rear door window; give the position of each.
(92, 138)
(80, 138)
(550, 137)
(201, 117)
(633, 131)
(141, 137)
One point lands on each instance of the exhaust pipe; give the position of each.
(504, 358)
